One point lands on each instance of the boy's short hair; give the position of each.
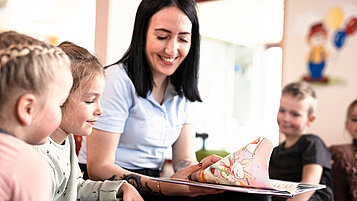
(302, 90)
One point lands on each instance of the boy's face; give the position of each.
(293, 116)
(351, 123)
(83, 109)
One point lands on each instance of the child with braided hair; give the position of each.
(35, 80)
(79, 113)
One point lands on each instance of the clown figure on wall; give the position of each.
(317, 55)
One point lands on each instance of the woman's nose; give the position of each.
(172, 47)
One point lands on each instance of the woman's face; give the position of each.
(168, 41)
(351, 123)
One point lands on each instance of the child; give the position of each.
(344, 167)
(301, 157)
(80, 112)
(35, 80)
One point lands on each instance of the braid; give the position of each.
(27, 64)
(15, 51)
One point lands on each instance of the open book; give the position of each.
(246, 170)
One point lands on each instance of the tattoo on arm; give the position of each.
(135, 180)
(182, 165)
(112, 178)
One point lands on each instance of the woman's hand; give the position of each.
(187, 190)
(206, 162)
(129, 193)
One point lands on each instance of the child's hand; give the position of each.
(129, 193)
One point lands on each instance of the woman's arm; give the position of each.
(183, 153)
(101, 148)
(311, 173)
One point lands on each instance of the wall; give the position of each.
(52, 20)
(120, 26)
(341, 65)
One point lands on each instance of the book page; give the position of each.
(284, 185)
(246, 167)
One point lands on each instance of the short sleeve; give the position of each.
(190, 114)
(116, 100)
(316, 152)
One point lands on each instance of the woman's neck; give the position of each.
(59, 135)
(159, 89)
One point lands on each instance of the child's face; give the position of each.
(351, 123)
(293, 117)
(83, 109)
(49, 114)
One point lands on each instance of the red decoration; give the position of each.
(351, 26)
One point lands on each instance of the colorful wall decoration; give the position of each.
(335, 29)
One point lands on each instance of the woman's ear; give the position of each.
(25, 108)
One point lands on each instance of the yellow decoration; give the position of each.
(334, 18)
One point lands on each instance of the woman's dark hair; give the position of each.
(185, 78)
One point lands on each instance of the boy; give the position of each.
(301, 157)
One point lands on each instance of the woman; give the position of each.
(147, 103)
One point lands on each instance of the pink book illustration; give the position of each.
(245, 167)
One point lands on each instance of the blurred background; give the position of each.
(250, 49)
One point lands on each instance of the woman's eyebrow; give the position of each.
(168, 31)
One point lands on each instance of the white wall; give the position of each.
(120, 27)
(342, 64)
(57, 19)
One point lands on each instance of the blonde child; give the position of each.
(80, 112)
(35, 80)
(301, 157)
(344, 158)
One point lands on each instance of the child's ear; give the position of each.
(311, 119)
(25, 108)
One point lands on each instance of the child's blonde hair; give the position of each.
(302, 90)
(27, 65)
(85, 67)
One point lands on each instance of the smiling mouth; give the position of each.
(168, 59)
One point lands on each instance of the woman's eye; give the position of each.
(161, 37)
(183, 40)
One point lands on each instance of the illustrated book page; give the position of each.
(246, 170)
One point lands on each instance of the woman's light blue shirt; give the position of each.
(148, 128)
